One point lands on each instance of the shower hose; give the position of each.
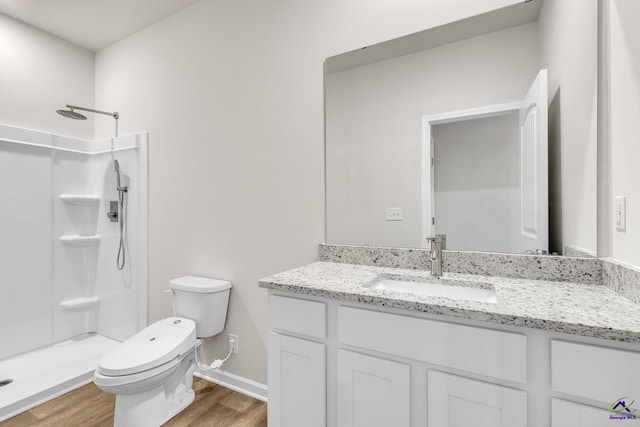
(120, 261)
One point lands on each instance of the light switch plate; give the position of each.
(395, 214)
(620, 213)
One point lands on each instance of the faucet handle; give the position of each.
(436, 242)
(436, 255)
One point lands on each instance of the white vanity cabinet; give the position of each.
(428, 346)
(594, 373)
(343, 364)
(297, 366)
(460, 402)
(372, 392)
(571, 414)
(297, 379)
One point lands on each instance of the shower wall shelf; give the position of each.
(74, 240)
(80, 199)
(80, 303)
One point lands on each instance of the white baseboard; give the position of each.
(235, 382)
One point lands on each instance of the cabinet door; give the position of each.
(569, 414)
(372, 392)
(297, 382)
(460, 402)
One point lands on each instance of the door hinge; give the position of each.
(433, 220)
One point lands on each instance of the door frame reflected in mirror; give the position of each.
(533, 227)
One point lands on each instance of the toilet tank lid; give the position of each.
(201, 285)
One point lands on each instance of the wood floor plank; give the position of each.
(67, 400)
(200, 384)
(205, 399)
(218, 416)
(20, 420)
(254, 416)
(214, 405)
(82, 414)
(238, 402)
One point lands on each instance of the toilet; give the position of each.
(151, 373)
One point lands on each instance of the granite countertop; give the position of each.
(573, 308)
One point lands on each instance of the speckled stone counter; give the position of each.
(573, 308)
(535, 267)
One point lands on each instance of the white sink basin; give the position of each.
(453, 289)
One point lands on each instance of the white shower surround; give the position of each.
(55, 286)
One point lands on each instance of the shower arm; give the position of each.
(115, 114)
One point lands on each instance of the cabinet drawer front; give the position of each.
(482, 351)
(457, 401)
(299, 316)
(597, 373)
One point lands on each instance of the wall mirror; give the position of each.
(404, 162)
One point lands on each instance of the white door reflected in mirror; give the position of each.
(488, 166)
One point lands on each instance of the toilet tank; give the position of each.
(202, 300)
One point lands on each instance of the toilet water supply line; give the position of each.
(216, 364)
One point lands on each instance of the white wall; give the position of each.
(232, 95)
(477, 184)
(624, 114)
(568, 49)
(374, 118)
(39, 74)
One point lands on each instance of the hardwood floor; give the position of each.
(89, 406)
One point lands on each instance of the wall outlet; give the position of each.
(620, 213)
(395, 214)
(233, 343)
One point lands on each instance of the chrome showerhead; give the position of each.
(70, 114)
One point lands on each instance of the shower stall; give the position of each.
(64, 301)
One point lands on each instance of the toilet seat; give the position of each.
(157, 344)
(157, 374)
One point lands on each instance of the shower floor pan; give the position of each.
(46, 373)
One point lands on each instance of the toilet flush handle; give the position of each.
(172, 292)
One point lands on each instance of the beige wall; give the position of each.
(568, 49)
(232, 95)
(624, 68)
(374, 130)
(39, 74)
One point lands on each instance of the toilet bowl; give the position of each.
(151, 373)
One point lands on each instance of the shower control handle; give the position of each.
(113, 211)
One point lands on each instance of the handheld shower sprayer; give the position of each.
(116, 166)
(119, 187)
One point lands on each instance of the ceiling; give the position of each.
(91, 24)
(496, 20)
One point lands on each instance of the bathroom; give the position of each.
(231, 95)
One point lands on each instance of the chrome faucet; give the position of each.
(436, 255)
